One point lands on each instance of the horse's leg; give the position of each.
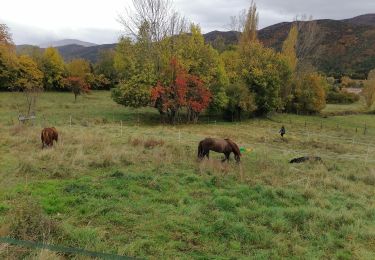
(226, 157)
(207, 153)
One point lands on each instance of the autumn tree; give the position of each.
(369, 89)
(264, 71)
(310, 93)
(78, 68)
(250, 26)
(53, 69)
(180, 89)
(198, 98)
(305, 85)
(30, 82)
(8, 59)
(77, 85)
(289, 51)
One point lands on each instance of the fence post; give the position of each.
(121, 127)
(179, 136)
(70, 121)
(365, 130)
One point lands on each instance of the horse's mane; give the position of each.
(234, 146)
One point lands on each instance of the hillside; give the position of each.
(348, 46)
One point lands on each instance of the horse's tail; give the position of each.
(235, 148)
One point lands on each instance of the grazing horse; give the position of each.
(48, 136)
(306, 159)
(225, 146)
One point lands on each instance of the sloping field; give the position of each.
(120, 182)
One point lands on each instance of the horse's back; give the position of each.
(214, 144)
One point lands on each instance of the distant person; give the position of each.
(282, 131)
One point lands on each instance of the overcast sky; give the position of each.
(40, 21)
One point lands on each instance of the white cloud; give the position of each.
(39, 21)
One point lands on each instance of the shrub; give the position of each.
(342, 97)
(27, 222)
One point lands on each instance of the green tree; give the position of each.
(105, 67)
(53, 69)
(264, 71)
(124, 59)
(240, 100)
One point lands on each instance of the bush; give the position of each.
(28, 222)
(342, 97)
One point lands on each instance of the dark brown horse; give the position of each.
(48, 136)
(225, 146)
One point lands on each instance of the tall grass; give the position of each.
(145, 194)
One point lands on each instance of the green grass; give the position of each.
(107, 192)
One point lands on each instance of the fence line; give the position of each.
(62, 249)
(308, 134)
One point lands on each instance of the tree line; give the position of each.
(164, 62)
(34, 70)
(167, 65)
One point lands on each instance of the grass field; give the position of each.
(138, 190)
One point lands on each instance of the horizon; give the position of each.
(31, 28)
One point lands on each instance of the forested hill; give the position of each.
(347, 46)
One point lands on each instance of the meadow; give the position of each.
(120, 182)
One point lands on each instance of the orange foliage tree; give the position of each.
(178, 90)
(77, 85)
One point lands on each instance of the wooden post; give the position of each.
(365, 130)
(121, 127)
(70, 121)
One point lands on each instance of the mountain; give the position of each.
(66, 42)
(366, 19)
(347, 46)
(91, 53)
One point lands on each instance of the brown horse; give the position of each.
(225, 146)
(48, 136)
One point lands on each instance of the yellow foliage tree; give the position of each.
(289, 48)
(310, 93)
(369, 89)
(249, 33)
